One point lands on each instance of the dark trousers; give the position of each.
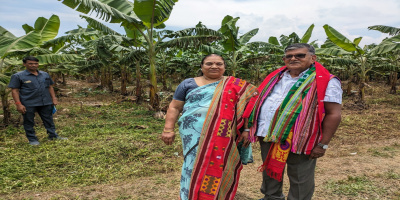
(46, 114)
(301, 177)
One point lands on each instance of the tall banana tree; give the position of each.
(141, 17)
(331, 55)
(357, 52)
(390, 48)
(235, 47)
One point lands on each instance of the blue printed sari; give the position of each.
(191, 122)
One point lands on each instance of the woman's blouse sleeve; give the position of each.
(184, 88)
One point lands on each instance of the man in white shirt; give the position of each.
(295, 115)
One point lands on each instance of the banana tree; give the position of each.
(390, 49)
(235, 47)
(357, 53)
(331, 55)
(140, 16)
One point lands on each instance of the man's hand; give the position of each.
(55, 101)
(168, 137)
(317, 152)
(21, 108)
(245, 137)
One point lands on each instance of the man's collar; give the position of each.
(28, 72)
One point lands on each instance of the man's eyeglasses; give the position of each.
(297, 56)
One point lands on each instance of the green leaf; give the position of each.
(331, 51)
(57, 58)
(22, 43)
(390, 45)
(273, 40)
(341, 40)
(27, 28)
(386, 29)
(4, 80)
(153, 12)
(99, 26)
(229, 30)
(5, 33)
(48, 29)
(124, 6)
(210, 50)
(247, 36)
(357, 41)
(104, 11)
(306, 37)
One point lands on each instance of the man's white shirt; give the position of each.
(279, 92)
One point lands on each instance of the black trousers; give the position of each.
(46, 114)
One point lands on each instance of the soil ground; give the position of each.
(362, 162)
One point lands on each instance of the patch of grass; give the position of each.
(105, 144)
(385, 151)
(354, 186)
(391, 175)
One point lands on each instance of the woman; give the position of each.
(212, 106)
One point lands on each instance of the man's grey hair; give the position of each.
(295, 46)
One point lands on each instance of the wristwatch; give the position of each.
(324, 146)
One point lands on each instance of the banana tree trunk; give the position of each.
(164, 81)
(109, 80)
(138, 85)
(64, 82)
(103, 78)
(362, 90)
(393, 82)
(257, 74)
(6, 105)
(124, 80)
(154, 101)
(350, 85)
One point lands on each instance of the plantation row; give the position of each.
(147, 50)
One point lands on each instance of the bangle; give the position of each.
(18, 103)
(246, 129)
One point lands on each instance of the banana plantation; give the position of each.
(151, 58)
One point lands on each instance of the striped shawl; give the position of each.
(217, 167)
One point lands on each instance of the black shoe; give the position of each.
(34, 143)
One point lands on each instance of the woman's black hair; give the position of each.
(209, 55)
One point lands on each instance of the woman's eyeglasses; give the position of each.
(297, 56)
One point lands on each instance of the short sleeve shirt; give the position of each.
(184, 88)
(33, 90)
(333, 94)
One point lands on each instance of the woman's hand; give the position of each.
(245, 137)
(168, 134)
(168, 137)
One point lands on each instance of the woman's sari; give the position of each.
(208, 128)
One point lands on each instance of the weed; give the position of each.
(354, 186)
(104, 145)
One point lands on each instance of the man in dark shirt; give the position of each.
(32, 92)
